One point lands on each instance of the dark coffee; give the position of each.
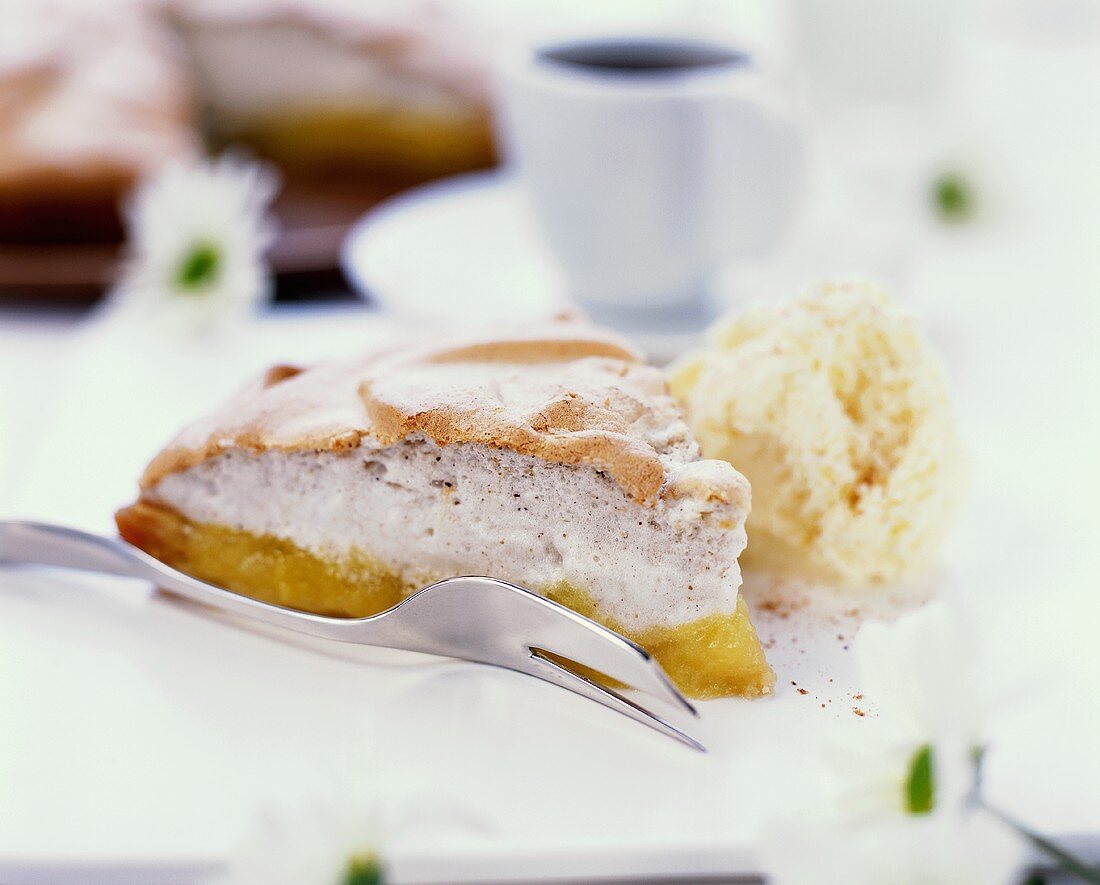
(638, 56)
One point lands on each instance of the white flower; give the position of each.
(197, 237)
(319, 841)
(344, 833)
(900, 807)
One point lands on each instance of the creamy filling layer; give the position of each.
(350, 137)
(429, 511)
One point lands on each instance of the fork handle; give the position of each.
(435, 621)
(39, 543)
(36, 543)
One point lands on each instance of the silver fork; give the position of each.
(472, 618)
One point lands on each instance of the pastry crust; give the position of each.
(567, 394)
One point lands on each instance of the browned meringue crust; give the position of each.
(568, 394)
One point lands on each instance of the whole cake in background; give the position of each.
(836, 409)
(92, 96)
(553, 459)
(344, 85)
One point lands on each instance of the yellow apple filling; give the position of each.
(714, 656)
(409, 142)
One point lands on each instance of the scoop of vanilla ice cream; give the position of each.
(836, 410)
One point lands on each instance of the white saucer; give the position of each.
(466, 251)
(463, 250)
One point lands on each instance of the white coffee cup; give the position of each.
(649, 163)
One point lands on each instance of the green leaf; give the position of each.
(199, 266)
(364, 869)
(920, 785)
(952, 197)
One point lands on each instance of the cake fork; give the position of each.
(478, 619)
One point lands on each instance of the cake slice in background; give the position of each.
(92, 96)
(382, 87)
(555, 460)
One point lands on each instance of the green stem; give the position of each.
(1069, 862)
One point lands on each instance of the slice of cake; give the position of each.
(92, 97)
(396, 88)
(556, 461)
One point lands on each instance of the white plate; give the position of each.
(466, 251)
(139, 736)
(462, 251)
